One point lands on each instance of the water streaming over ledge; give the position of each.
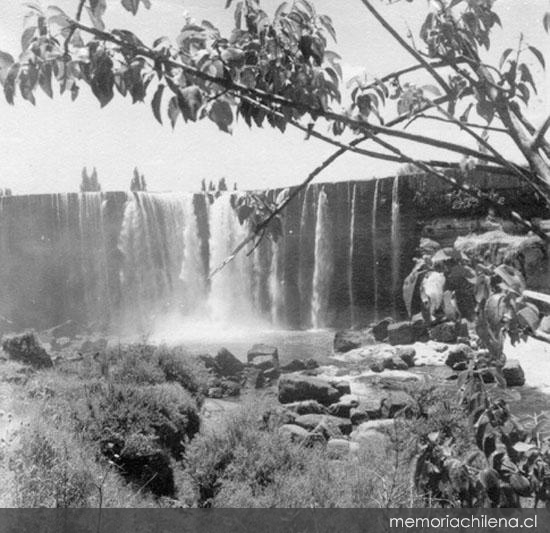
(128, 261)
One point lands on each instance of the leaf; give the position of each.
(45, 79)
(526, 76)
(103, 80)
(523, 447)
(173, 110)
(504, 56)
(222, 114)
(6, 61)
(27, 37)
(546, 22)
(9, 83)
(432, 89)
(156, 102)
(131, 5)
(538, 54)
(190, 101)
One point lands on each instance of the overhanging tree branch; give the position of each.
(264, 96)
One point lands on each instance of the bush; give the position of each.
(53, 468)
(249, 464)
(180, 366)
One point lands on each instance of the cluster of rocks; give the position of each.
(319, 410)
(263, 368)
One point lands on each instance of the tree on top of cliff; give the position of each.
(279, 71)
(89, 183)
(138, 181)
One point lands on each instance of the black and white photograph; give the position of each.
(275, 254)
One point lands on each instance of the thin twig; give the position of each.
(73, 28)
(407, 46)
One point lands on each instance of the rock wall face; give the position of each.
(122, 260)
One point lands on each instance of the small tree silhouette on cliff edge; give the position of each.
(89, 183)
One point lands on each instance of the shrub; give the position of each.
(140, 428)
(184, 368)
(248, 464)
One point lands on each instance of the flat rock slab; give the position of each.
(298, 387)
(311, 422)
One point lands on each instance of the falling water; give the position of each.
(322, 272)
(375, 248)
(395, 242)
(230, 297)
(350, 256)
(276, 292)
(192, 274)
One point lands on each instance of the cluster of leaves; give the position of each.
(513, 460)
(259, 211)
(497, 291)
(204, 73)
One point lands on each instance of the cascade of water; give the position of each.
(276, 292)
(151, 245)
(395, 242)
(230, 291)
(93, 255)
(375, 248)
(192, 272)
(322, 272)
(350, 256)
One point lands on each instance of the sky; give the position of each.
(43, 148)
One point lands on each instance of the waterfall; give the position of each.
(130, 261)
(230, 298)
(395, 242)
(375, 248)
(350, 255)
(322, 272)
(275, 290)
(192, 274)
(93, 256)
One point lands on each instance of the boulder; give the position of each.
(277, 416)
(26, 349)
(349, 339)
(342, 386)
(513, 373)
(394, 381)
(338, 448)
(227, 364)
(407, 354)
(460, 353)
(264, 351)
(382, 425)
(380, 330)
(369, 443)
(254, 378)
(395, 363)
(307, 407)
(420, 328)
(444, 332)
(271, 374)
(311, 364)
(343, 407)
(377, 366)
(294, 433)
(296, 365)
(297, 387)
(544, 325)
(368, 409)
(400, 333)
(396, 402)
(312, 422)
